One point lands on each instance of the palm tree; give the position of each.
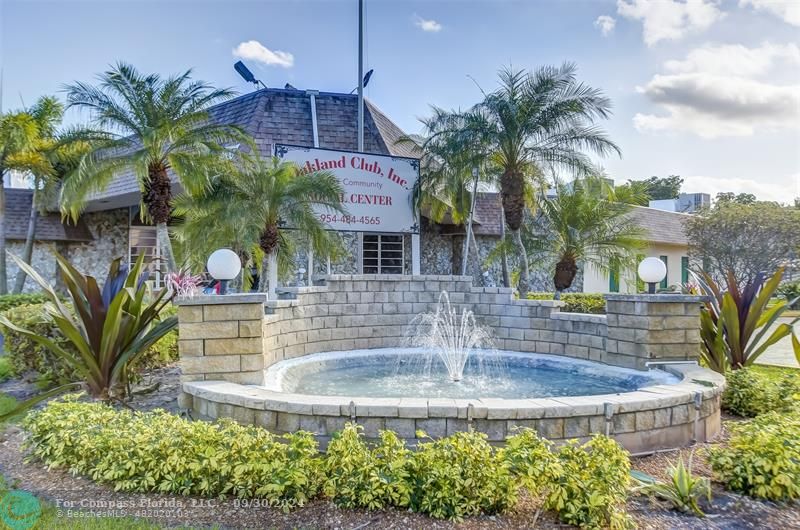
(46, 160)
(583, 221)
(151, 127)
(253, 207)
(21, 135)
(533, 122)
(447, 183)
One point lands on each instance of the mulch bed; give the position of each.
(728, 511)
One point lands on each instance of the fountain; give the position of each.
(449, 335)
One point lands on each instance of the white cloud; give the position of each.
(781, 192)
(670, 19)
(256, 51)
(788, 10)
(715, 91)
(428, 25)
(606, 24)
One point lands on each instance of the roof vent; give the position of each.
(289, 87)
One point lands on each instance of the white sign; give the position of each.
(378, 189)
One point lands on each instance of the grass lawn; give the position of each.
(773, 373)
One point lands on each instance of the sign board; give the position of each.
(378, 189)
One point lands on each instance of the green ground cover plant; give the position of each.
(8, 301)
(762, 458)
(749, 392)
(576, 302)
(451, 478)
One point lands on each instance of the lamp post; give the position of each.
(652, 271)
(224, 265)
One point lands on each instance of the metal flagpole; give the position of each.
(361, 75)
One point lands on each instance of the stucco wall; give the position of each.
(596, 281)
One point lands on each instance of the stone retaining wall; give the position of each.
(226, 342)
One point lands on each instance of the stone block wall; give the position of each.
(374, 311)
(222, 341)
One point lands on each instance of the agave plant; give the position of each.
(737, 324)
(109, 328)
(683, 490)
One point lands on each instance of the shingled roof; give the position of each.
(283, 116)
(48, 227)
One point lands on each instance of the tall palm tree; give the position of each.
(255, 205)
(447, 183)
(583, 221)
(46, 160)
(151, 127)
(533, 122)
(20, 138)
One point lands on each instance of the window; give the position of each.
(142, 241)
(665, 281)
(684, 269)
(613, 278)
(382, 254)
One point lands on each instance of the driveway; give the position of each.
(781, 354)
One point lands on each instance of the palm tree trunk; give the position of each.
(3, 272)
(504, 255)
(27, 252)
(165, 247)
(566, 269)
(524, 271)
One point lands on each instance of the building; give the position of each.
(111, 227)
(685, 203)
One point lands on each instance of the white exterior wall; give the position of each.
(596, 281)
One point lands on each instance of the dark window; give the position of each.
(382, 254)
(613, 278)
(685, 269)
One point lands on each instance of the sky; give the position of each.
(705, 89)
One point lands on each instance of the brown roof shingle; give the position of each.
(48, 227)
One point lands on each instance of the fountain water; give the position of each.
(450, 335)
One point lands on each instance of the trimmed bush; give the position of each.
(762, 459)
(576, 302)
(591, 486)
(167, 454)
(358, 476)
(9, 301)
(451, 478)
(26, 355)
(460, 475)
(749, 394)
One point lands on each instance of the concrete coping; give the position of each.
(580, 317)
(657, 298)
(222, 299)
(694, 379)
(539, 303)
(395, 277)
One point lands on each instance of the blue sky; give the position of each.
(707, 89)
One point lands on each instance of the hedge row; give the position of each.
(576, 302)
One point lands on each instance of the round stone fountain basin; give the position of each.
(415, 373)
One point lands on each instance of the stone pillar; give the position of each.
(652, 327)
(222, 338)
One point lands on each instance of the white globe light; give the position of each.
(224, 264)
(652, 270)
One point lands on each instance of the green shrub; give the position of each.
(458, 476)
(591, 487)
(749, 394)
(6, 368)
(25, 354)
(161, 452)
(359, 476)
(791, 292)
(531, 460)
(8, 301)
(576, 302)
(683, 490)
(762, 458)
